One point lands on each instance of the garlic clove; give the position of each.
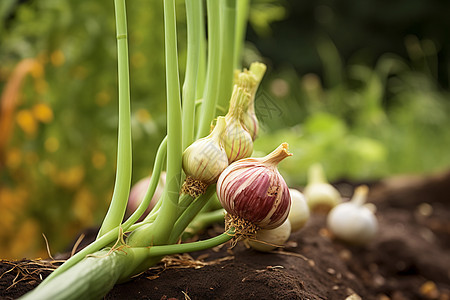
(299, 213)
(269, 239)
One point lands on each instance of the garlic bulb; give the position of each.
(320, 195)
(204, 160)
(254, 193)
(138, 191)
(354, 221)
(269, 239)
(299, 213)
(236, 140)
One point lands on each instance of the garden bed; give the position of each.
(409, 259)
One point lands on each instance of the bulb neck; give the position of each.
(360, 195)
(239, 102)
(218, 130)
(316, 174)
(274, 158)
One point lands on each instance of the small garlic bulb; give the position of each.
(320, 195)
(299, 213)
(237, 142)
(354, 221)
(269, 239)
(254, 193)
(204, 160)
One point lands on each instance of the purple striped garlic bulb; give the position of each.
(254, 193)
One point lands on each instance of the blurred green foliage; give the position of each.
(361, 123)
(363, 118)
(63, 170)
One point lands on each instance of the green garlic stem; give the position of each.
(227, 34)
(116, 210)
(191, 247)
(190, 212)
(194, 17)
(241, 27)
(168, 211)
(210, 94)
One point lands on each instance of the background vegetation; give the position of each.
(362, 88)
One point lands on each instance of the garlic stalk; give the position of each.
(320, 195)
(354, 222)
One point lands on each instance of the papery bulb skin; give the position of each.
(253, 191)
(353, 221)
(269, 239)
(249, 120)
(320, 195)
(138, 191)
(205, 159)
(236, 140)
(299, 213)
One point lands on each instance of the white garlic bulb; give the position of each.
(354, 221)
(269, 239)
(320, 195)
(299, 213)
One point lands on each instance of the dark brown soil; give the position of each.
(409, 259)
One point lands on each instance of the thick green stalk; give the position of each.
(241, 27)
(201, 56)
(210, 95)
(194, 16)
(227, 35)
(154, 180)
(158, 232)
(112, 235)
(191, 247)
(116, 210)
(203, 220)
(189, 214)
(96, 275)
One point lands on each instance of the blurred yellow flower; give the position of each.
(98, 159)
(25, 238)
(13, 158)
(70, 178)
(37, 70)
(57, 58)
(26, 121)
(83, 206)
(43, 112)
